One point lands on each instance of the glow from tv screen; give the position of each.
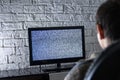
(56, 44)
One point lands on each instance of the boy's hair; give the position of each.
(108, 16)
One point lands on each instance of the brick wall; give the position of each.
(16, 16)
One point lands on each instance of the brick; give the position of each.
(27, 59)
(69, 1)
(97, 47)
(34, 9)
(3, 59)
(63, 17)
(58, 1)
(82, 17)
(33, 24)
(5, 17)
(21, 1)
(22, 50)
(24, 65)
(7, 8)
(43, 17)
(78, 9)
(72, 23)
(20, 34)
(94, 32)
(96, 2)
(89, 47)
(25, 42)
(89, 25)
(13, 42)
(0, 26)
(88, 9)
(41, 1)
(1, 43)
(12, 26)
(54, 8)
(15, 17)
(79, 2)
(4, 1)
(68, 8)
(92, 18)
(6, 34)
(7, 51)
(88, 32)
(16, 59)
(52, 24)
(13, 34)
(41, 24)
(91, 39)
(22, 17)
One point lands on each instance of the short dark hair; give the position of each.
(108, 16)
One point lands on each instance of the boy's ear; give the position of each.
(100, 31)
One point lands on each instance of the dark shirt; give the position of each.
(79, 70)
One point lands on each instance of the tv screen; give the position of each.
(50, 45)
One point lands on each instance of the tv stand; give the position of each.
(59, 68)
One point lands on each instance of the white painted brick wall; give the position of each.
(8, 8)
(11, 26)
(13, 42)
(5, 1)
(6, 51)
(1, 43)
(43, 17)
(72, 8)
(21, 1)
(41, 1)
(16, 16)
(54, 8)
(34, 9)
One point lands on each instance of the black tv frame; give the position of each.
(55, 61)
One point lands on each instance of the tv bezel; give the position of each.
(55, 61)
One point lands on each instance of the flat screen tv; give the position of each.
(49, 45)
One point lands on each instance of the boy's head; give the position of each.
(108, 22)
